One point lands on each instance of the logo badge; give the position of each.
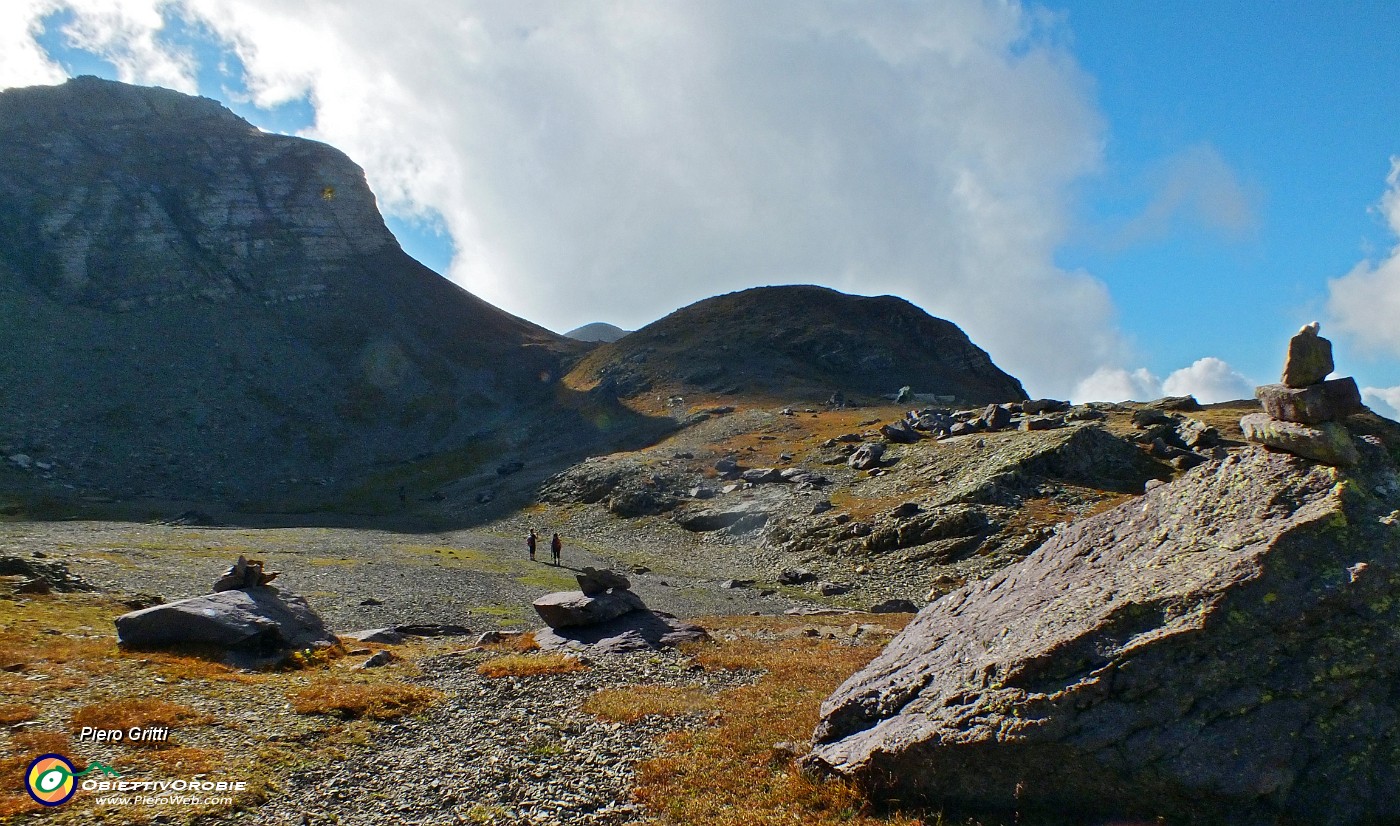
(49, 779)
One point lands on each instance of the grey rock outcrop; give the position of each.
(1222, 650)
(258, 619)
(592, 581)
(54, 575)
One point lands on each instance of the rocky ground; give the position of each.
(929, 515)
(496, 751)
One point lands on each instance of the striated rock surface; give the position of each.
(1221, 650)
(193, 308)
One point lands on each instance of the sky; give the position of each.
(1116, 200)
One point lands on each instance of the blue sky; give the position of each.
(1114, 199)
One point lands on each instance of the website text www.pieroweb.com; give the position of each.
(54, 779)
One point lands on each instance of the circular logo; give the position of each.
(49, 779)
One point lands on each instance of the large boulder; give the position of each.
(569, 608)
(633, 631)
(1223, 649)
(260, 619)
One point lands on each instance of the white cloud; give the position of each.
(22, 61)
(1383, 400)
(1115, 384)
(1194, 188)
(1365, 303)
(616, 160)
(1210, 380)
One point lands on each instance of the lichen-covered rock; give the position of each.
(1222, 650)
(1328, 442)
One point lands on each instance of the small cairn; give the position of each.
(605, 617)
(245, 573)
(1302, 413)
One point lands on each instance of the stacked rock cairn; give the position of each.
(1302, 413)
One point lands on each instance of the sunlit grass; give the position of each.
(529, 665)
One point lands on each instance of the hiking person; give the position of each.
(530, 543)
(555, 546)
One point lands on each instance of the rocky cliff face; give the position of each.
(1223, 650)
(193, 308)
(799, 342)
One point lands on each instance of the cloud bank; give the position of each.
(616, 160)
(1365, 303)
(1209, 379)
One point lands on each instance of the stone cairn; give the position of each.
(604, 616)
(245, 573)
(1302, 413)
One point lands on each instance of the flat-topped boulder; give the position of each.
(565, 609)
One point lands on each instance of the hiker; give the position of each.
(530, 543)
(555, 546)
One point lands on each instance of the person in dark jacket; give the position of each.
(530, 543)
(555, 547)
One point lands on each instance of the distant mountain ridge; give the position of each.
(191, 307)
(798, 340)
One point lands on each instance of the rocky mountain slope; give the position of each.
(798, 343)
(190, 307)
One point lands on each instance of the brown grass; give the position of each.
(377, 701)
(529, 665)
(631, 703)
(12, 713)
(729, 774)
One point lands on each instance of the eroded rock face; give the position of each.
(196, 309)
(1221, 650)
